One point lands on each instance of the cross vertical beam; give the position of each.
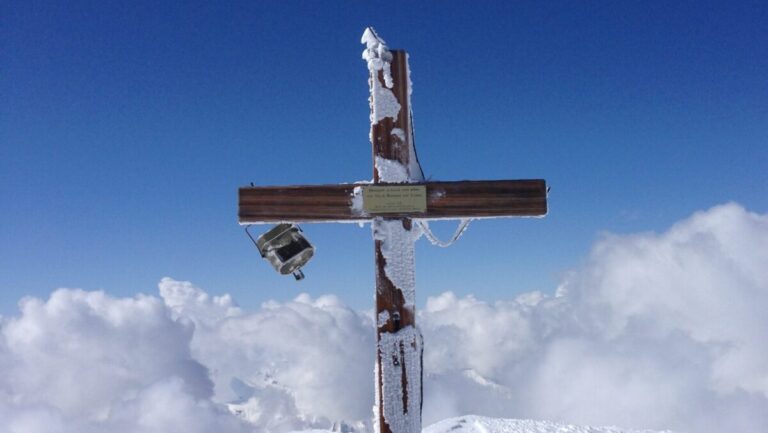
(399, 342)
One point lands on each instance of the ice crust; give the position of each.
(384, 103)
(391, 171)
(398, 250)
(377, 54)
(357, 201)
(397, 247)
(382, 318)
(379, 58)
(401, 352)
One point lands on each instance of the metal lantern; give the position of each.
(286, 248)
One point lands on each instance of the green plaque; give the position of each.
(378, 199)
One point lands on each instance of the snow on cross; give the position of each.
(398, 196)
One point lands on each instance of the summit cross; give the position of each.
(394, 203)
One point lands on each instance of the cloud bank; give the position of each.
(654, 331)
(658, 331)
(86, 362)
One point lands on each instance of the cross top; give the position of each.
(397, 196)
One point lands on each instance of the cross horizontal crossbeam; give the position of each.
(445, 200)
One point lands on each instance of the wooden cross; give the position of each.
(398, 196)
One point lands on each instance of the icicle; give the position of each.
(463, 225)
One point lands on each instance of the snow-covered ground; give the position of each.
(480, 424)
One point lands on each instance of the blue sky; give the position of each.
(127, 127)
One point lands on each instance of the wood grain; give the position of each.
(458, 199)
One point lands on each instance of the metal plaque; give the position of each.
(379, 199)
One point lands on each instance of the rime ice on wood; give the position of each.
(401, 364)
(398, 361)
(385, 104)
(391, 171)
(397, 249)
(398, 396)
(382, 318)
(379, 58)
(377, 54)
(357, 201)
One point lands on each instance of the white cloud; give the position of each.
(653, 331)
(318, 352)
(166, 407)
(79, 360)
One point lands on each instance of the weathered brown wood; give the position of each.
(390, 299)
(459, 199)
